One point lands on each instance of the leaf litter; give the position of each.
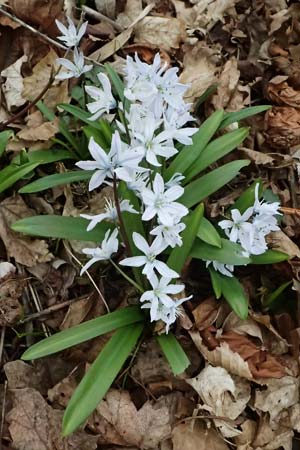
(242, 390)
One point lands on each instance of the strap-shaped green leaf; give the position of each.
(45, 156)
(206, 185)
(79, 113)
(100, 376)
(173, 352)
(269, 257)
(190, 153)
(116, 81)
(58, 179)
(62, 227)
(236, 116)
(208, 233)
(229, 253)
(12, 173)
(4, 137)
(216, 150)
(247, 198)
(83, 332)
(179, 255)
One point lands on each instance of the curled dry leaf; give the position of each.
(223, 395)
(227, 85)
(34, 425)
(21, 375)
(206, 313)
(258, 158)
(248, 326)
(282, 127)
(61, 393)
(195, 436)
(6, 269)
(23, 249)
(281, 93)
(39, 12)
(278, 240)
(11, 289)
(13, 86)
(272, 438)
(164, 32)
(38, 130)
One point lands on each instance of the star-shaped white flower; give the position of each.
(109, 214)
(108, 246)
(74, 69)
(148, 260)
(169, 234)
(70, 36)
(224, 269)
(104, 100)
(238, 229)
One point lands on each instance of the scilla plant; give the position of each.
(153, 156)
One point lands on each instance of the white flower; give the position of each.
(148, 260)
(109, 246)
(175, 180)
(138, 181)
(152, 145)
(74, 69)
(224, 269)
(238, 228)
(120, 161)
(109, 214)
(170, 234)
(70, 36)
(161, 305)
(174, 120)
(265, 208)
(265, 223)
(104, 100)
(160, 202)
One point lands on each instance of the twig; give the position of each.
(97, 15)
(38, 306)
(2, 344)
(3, 413)
(290, 211)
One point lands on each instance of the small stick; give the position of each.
(290, 211)
(2, 343)
(97, 15)
(3, 413)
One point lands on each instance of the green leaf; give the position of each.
(269, 299)
(269, 257)
(62, 227)
(100, 376)
(208, 233)
(80, 114)
(229, 253)
(83, 332)
(247, 198)
(4, 137)
(97, 135)
(173, 352)
(232, 117)
(13, 173)
(57, 179)
(209, 91)
(63, 128)
(116, 81)
(47, 113)
(216, 282)
(216, 150)
(234, 293)
(45, 156)
(209, 183)
(179, 255)
(190, 153)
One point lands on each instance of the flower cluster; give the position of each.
(71, 38)
(151, 122)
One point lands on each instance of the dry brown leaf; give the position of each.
(259, 158)
(38, 130)
(223, 395)
(24, 250)
(106, 7)
(61, 393)
(163, 32)
(199, 62)
(39, 12)
(206, 313)
(210, 12)
(6, 268)
(278, 240)
(145, 428)
(281, 93)
(21, 375)
(132, 10)
(11, 290)
(248, 326)
(272, 438)
(13, 86)
(227, 85)
(282, 127)
(77, 312)
(34, 425)
(279, 395)
(194, 436)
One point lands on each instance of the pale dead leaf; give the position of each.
(61, 393)
(34, 425)
(23, 249)
(259, 158)
(77, 312)
(227, 84)
(278, 240)
(6, 268)
(272, 438)
(223, 395)
(248, 326)
(279, 395)
(21, 375)
(194, 436)
(37, 130)
(199, 71)
(13, 86)
(163, 32)
(223, 356)
(132, 10)
(210, 12)
(11, 290)
(106, 7)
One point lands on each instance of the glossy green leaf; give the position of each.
(179, 255)
(234, 293)
(4, 137)
(79, 113)
(215, 282)
(97, 135)
(246, 200)
(271, 298)
(100, 376)
(47, 113)
(216, 150)
(63, 128)
(269, 257)
(83, 332)
(229, 253)
(12, 173)
(190, 153)
(232, 117)
(62, 227)
(206, 94)
(173, 352)
(116, 81)
(45, 156)
(208, 233)
(211, 182)
(58, 179)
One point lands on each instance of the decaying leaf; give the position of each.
(223, 395)
(23, 249)
(194, 436)
(38, 130)
(163, 32)
(282, 126)
(278, 240)
(258, 158)
(240, 326)
(21, 375)
(281, 93)
(11, 289)
(39, 12)
(6, 268)
(13, 86)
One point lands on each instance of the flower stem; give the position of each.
(130, 280)
(121, 222)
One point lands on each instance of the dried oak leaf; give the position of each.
(278, 240)
(24, 250)
(195, 436)
(34, 425)
(120, 423)
(13, 86)
(39, 12)
(38, 130)
(206, 313)
(281, 93)
(223, 395)
(21, 375)
(270, 437)
(11, 289)
(164, 32)
(282, 127)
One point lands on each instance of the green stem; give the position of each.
(130, 280)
